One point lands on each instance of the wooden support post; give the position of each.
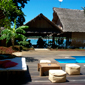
(53, 42)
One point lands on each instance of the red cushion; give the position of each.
(9, 64)
(2, 62)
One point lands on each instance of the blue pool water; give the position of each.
(78, 59)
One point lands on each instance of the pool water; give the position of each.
(78, 59)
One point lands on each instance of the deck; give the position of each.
(32, 76)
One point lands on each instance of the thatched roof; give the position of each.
(42, 25)
(71, 20)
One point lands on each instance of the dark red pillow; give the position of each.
(3, 62)
(9, 64)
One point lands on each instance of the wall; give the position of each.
(78, 39)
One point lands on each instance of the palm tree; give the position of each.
(13, 33)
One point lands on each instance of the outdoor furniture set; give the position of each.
(56, 74)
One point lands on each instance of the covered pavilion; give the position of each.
(42, 26)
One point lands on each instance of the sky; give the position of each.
(35, 7)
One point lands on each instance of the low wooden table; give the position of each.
(47, 66)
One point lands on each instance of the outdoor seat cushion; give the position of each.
(45, 61)
(57, 72)
(72, 65)
(2, 62)
(72, 69)
(9, 64)
(57, 76)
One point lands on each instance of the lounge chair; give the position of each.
(20, 67)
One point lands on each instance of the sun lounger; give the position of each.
(20, 68)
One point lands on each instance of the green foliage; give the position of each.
(21, 2)
(13, 33)
(83, 9)
(20, 29)
(8, 7)
(5, 23)
(12, 9)
(24, 42)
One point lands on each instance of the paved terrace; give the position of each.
(33, 58)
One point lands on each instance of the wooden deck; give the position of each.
(32, 76)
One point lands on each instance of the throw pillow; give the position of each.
(2, 62)
(9, 64)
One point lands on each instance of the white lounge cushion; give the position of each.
(45, 61)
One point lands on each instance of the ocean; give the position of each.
(34, 41)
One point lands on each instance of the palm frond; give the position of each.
(19, 30)
(23, 42)
(23, 27)
(3, 37)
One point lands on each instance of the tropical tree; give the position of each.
(21, 17)
(23, 42)
(12, 9)
(8, 7)
(13, 33)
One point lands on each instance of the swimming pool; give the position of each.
(78, 59)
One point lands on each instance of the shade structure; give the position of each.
(41, 26)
